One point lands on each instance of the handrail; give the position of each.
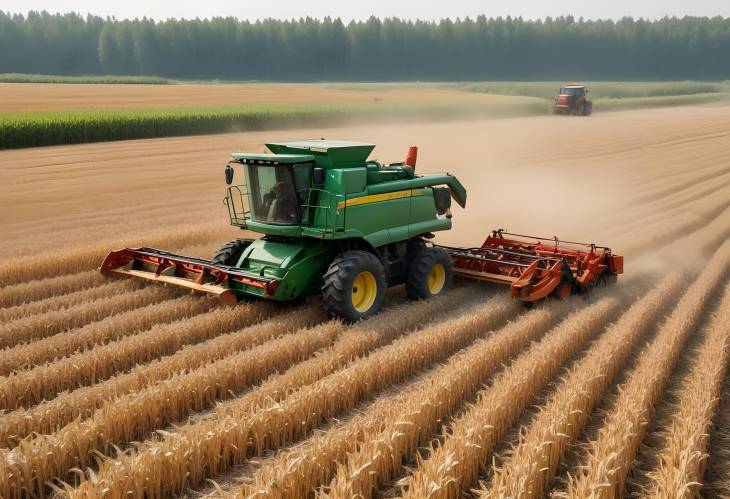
(593, 246)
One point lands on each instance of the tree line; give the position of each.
(370, 50)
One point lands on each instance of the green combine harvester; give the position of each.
(332, 222)
(335, 223)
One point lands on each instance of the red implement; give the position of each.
(537, 267)
(194, 273)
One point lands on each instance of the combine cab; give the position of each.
(572, 100)
(337, 224)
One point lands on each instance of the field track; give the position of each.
(116, 389)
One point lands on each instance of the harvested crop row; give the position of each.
(454, 466)
(372, 445)
(47, 350)
(646, 201)
(65, 301)
(245, 426)
(683, 457)
(611, 454)
(41, 289)
(662, 190)
(125, 231)
(19, 270)
(696, 215)
(89, 367)
(19, 332)
(136, 414)
(50, 416)
(700, 242)
(158, 210)
(536, 458)
(670, 207)
(357, 341)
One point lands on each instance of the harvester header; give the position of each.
(336, 223)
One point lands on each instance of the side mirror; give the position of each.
(318, 176)
(229, 174)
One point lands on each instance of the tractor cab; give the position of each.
(573, 91)
(274, 187)
(572, 100)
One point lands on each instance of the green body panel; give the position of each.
(327, 153)
(298, 264)
(284, 159)
(356, 199)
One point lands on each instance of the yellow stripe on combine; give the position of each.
(374, 198)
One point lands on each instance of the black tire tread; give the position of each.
(336, 298)
(420, 267)
(228, 253)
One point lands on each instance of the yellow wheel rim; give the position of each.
(436, 279)
(364, 291)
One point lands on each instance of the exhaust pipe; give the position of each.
(411, 157)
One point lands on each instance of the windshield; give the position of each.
(571, 91)
(277, 192)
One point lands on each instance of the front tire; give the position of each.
(354, 286)
(430, 273)
(230, 253)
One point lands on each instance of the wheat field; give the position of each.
(117, 389)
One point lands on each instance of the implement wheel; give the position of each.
(231, 252)
(429, 274)
(354, 286)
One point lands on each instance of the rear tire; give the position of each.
(430, 273)
(231, 252)
(354, 286)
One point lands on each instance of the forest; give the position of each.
(483, 48)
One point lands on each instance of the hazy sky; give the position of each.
(359, 9)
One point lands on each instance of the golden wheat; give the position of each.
(25, 388)
(18, 333)
(454, 466)
(69, 261)
(682, 459)
(240, 427)
(611, 454)
(50, 416)
(27, 356)
(43, 288)
(536, 458)
(136, 414)
(372, 445)
(66, 301)
(82, 231)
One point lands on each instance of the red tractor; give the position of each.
(572, 100)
